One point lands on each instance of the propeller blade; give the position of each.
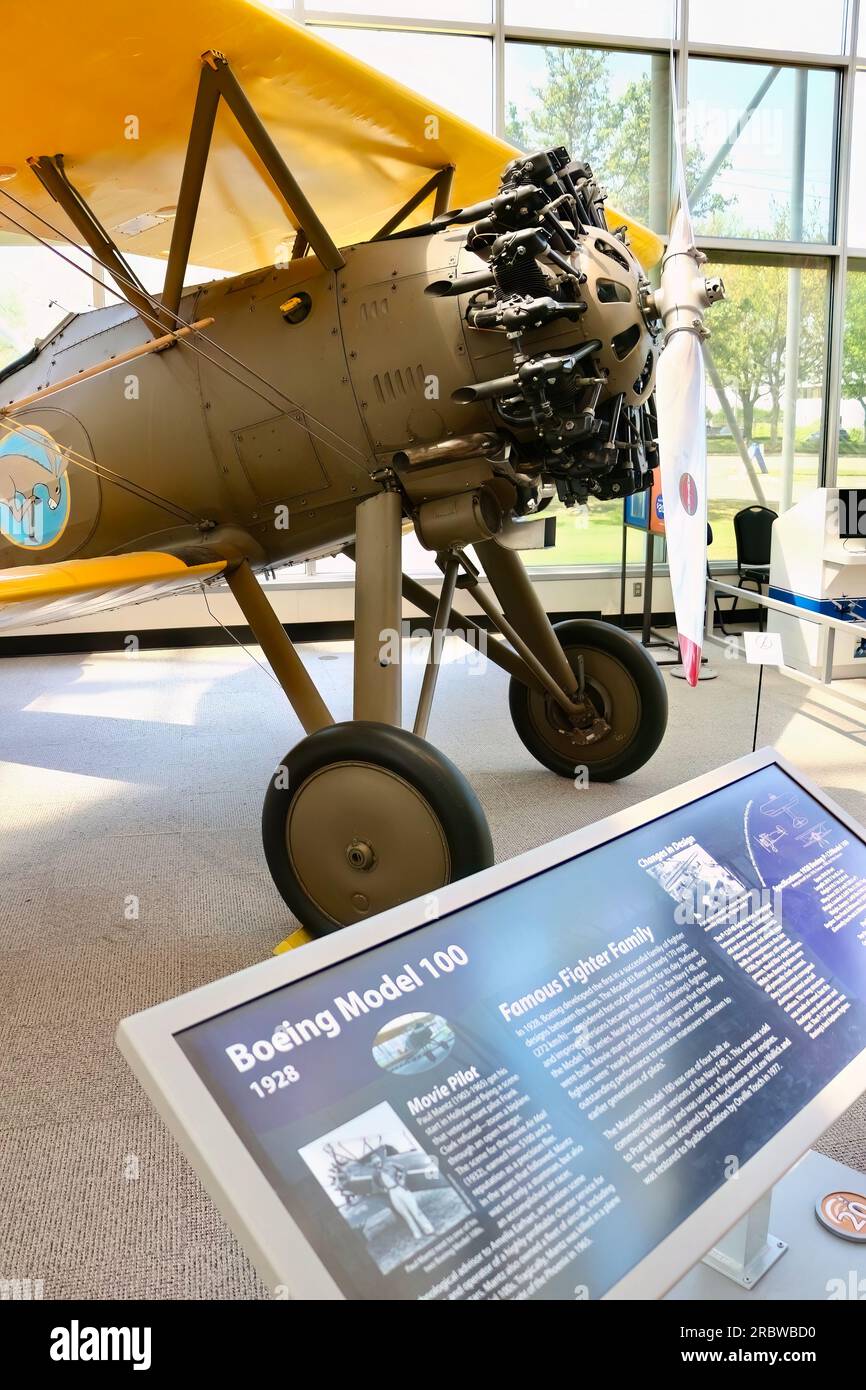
(683, 453)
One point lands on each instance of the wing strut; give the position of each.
(52, 175)
(218, 81)
(440, 183)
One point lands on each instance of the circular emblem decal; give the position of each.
(843, 1213)
(660, 507)
(689, 493)
(35, 495)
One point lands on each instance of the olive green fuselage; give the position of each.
(273, 442)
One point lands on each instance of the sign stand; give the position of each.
(748, 1250)
(822, 1266)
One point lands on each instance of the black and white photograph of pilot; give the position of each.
(386, 1188)
(412, 1043)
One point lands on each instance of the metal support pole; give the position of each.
(192, 179)
(437, 637)
(733, 424)
(648, 572)
(718, 159)
(378, 609)
(795, 278)
(286, 184)
(278, 648)
(660, 142)
(524, 610)
(623, 566)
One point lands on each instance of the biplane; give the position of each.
(414, 325)
(353, 1167)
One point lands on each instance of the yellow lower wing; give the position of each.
(33, 594)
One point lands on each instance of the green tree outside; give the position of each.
(575, 108)
(854, 352)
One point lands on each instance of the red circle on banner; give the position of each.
(689, 493)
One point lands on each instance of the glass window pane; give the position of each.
(454, 71)
(765, 137)
(852, 432)
(644, 19)
(589, 535)
(773, 24)
(472, 11)
(857, 187)
(37, 290)
(768, 347)
(599, 104)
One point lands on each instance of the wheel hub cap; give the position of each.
(362, 839)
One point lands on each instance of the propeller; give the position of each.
(680, 302)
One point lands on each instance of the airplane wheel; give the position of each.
(362, 816)
(627, 689)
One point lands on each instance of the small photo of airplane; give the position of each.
(818, 834)
(777, 805)
(770, 841)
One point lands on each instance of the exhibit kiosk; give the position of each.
(573, 1075)
(818, 564)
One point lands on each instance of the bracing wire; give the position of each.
(90, 465)
(181, 322)
(242, 646)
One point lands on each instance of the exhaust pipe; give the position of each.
(464, 284)
(461, 446)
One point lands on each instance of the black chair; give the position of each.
(718, 610)
(753, 530)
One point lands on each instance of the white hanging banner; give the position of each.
(681, 401)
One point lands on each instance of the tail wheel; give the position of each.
(362, 816)
(627, 689)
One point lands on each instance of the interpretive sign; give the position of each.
(526, 1096)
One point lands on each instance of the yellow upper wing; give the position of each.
(33, 594)
(112, 88)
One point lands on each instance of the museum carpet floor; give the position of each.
(141, 778)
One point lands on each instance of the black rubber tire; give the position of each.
(530, 711)
(434, 777)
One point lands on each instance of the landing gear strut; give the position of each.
(364, 815)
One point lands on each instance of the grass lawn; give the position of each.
(596, 538)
